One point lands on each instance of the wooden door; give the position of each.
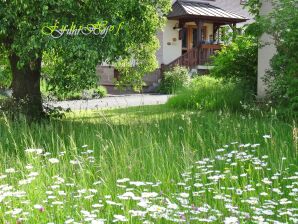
(192, 36)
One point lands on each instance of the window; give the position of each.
(184, 38)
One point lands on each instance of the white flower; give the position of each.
(69, 221)
(267, 212)
(38, 207)
(97, 182)
(266, 136)
(120, 218)
(29, 167)
(255, 145)
(184, 195)
(266, 181)
(231, 220)
(156, 208)
(137, 183)
(137, 213)
(57, 203)
(97, 221)
(149, 195)
(264, 194)
(54, 160)
(126, 195)
(10, 170)
(33, 174)
(97, 205)
(123, 180)
(17, 211)
(3, 177)
(37, 151)
(74, 162)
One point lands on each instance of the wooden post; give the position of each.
(216, 31)
(199, 24)
(234, 28)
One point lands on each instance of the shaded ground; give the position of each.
(119, 101)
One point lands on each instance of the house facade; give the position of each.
(266, 52)
(190, 37)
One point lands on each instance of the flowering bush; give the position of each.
(174, 80)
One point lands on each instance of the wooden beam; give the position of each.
(181, 23)
(199, 24)
(215, 30)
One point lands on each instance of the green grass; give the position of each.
(148, 144)
(209, 94)
(2, 97)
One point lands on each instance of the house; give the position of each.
(191, 36)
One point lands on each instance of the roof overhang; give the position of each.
(190, 11)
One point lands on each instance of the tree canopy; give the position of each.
(30, 29)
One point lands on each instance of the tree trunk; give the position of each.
(26, 87)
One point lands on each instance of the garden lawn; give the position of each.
(149, 165)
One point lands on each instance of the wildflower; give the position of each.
(123, 180)
(37, 151)
(266, 181)
(97, 205)
(74, 162)
(126, 195)
(184, 195)
(120, 218)
(137, 213)
(3, 177)
(69, 221)
(231, 220)
(97, 182)
(16, 211)
(54, 160)
(255, 145)
(266, 136)
(149, 194)
(98, 221)
(57, 203)
(29, 167)
(137, 183)
(39, 207)
(10, 170)
(239, 192)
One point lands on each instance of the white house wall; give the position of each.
(172, 46)
(265, 53)
(159, 53)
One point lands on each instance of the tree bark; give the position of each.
(26, 87)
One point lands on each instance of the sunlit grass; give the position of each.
(190, 163)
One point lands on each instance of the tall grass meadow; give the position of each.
(149, 165)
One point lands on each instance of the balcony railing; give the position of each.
(194, 57)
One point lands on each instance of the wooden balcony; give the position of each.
(196, 56)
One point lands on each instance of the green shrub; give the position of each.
(238, 61)
(5, 72)
(283, 78)
(208, 93)
(98, 92)
(93, 93)
(175, 79)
